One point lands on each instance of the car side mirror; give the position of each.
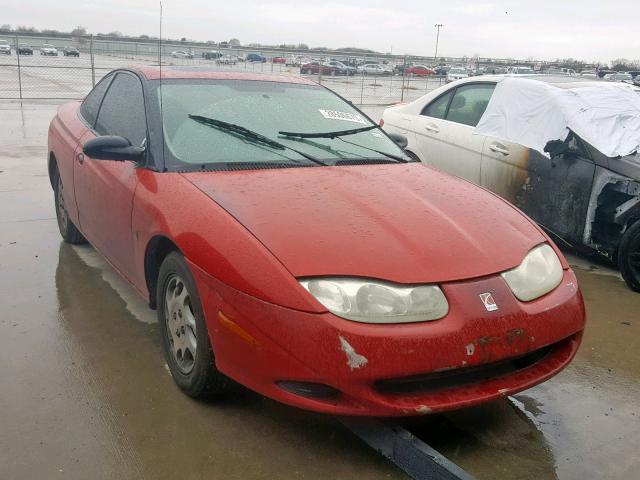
(556, 148)
(112, 147)
(399, 140)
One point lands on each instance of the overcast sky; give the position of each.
(546, 29)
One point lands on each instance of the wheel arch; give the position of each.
(52, 168)
(156, 251)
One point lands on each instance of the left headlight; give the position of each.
(372, 301)
(539, 273)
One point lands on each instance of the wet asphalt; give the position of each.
(85, 393)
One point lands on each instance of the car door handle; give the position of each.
(432, 128)
(80, 158)
(499, 148)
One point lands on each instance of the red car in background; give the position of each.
(419, 70)
(288, 243)
(314, 67)
(278, 60)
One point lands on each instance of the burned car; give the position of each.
(562, 149)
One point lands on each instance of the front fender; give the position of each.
(169, 205)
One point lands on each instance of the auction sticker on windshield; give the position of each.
(348, 117)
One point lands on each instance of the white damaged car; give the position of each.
(563, 149)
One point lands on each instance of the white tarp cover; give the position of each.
(531, 113)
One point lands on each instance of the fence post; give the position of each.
(93, 69)
(19, 70)
(404, 68)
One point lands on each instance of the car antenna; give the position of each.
(164, 167)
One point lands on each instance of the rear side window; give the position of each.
(469, 103)
(438, 108)
(122, 111)
(91, 104)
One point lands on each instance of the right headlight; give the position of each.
(376, 301)
(538, 274)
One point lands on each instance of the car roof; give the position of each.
(559, 81)
(176, 72)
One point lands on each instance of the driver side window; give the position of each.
(122, 111)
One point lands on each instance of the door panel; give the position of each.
(444, 130)
(105, 188)
(450, 146)
(558, 192)
(104, 192)
(504, 168)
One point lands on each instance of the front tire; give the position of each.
(185, 339)
(68, 230)
(629, 256)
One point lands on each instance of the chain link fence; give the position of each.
(67, 68)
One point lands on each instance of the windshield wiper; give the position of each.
(389, 155)
(340, 133)
(250, 135)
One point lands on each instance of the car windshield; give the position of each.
(263, 108)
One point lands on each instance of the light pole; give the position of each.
(438, 26)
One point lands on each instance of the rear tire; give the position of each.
(185, 338)
(68, 230)
(629, 256)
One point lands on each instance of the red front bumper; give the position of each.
(392, 370)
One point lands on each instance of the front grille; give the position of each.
(461, 376)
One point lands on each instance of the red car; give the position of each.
(314, 67)
(289, 244)
(278, 60)
(419, 70)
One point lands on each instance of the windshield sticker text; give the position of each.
(347, 117)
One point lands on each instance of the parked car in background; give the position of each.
(48, 50)
(342, 69)
(292, 61)
(375, 69)
(602, 73)
(456, 73)
(70, 52)
(634, 73)
(618, 77)
(279, 60)
(211, 55)
(419, 71)
(256, 57)
(24, 49)
(589, 74)
(313, 68)
(587, 194)
(227, 60)
(520, 70)
(5, 47)
(181, 54)
(336, 276)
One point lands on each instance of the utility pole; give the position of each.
(438, 26)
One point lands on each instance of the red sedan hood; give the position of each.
(402, 223)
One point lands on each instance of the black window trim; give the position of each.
(147, 161)
(144, 105)
(108, 78)
(454, 90)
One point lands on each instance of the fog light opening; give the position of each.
(314, 390)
